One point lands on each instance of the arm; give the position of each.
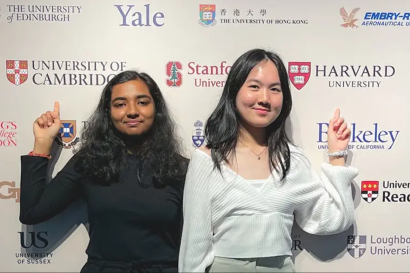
(40, 201)
(324, 203)
(196, 244)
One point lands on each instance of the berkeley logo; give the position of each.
(137, 17)
(173, 71)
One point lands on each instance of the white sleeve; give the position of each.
(324, 204)
(196, 252)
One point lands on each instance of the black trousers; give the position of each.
(136, 267)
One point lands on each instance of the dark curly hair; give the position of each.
(222, 127)
(103, 153)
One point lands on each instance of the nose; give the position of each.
(132, 111)
(264, 97)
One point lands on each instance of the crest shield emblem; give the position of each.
(356, 245)
(370, 190)
(17, 71)
(299, 73)
(198, 137)
(207, 14)
(68, 133)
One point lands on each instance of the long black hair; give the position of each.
(222, 127)
(103, 151)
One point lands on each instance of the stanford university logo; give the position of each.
(299, 73)
(17, 71)
(356, 245)
(370, 190)
(174, 76)
(207, 15)
(198, 137)
(68, 133)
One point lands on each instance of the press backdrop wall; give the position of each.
(67, 50)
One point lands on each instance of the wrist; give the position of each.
(42, 146)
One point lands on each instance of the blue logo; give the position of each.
(139, 19)
(198, 137)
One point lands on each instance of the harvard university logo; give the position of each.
(17, 71)
(299, 73)
(370, 190)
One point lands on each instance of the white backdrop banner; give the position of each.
(347, 54)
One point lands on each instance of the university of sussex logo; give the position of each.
(198, 137)
(356, 245)
(68, 133)
(348, 19)
(370, 190)
(207, 15)
(299, 73)
(17, 71)
(174, 75)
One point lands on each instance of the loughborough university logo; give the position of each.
(356, 245)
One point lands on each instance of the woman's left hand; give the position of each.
(338, 135)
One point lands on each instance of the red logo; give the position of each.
(299, 73)
(370, 190)
(174, 75)
(17, 71)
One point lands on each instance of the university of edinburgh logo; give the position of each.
(207, 15)
(349, 20)
(173, 71)
(17, 71)
(299, 73)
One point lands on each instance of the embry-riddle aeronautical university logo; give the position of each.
(370, 190)
(299, 73)
(17, 71)
(349, 20)
(356, 245)
(207, 15)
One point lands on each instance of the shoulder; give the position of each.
(205, 150)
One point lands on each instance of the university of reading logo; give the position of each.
(139, 18)
(17, 71)
(198, 137)
(370, 190)
(207, 15)
(204, 75)
(88, 73)
(172, 70)
(41, 13)
(372, 139)
(8, 190)
(389, 19)
(340, 76)
(68, 133)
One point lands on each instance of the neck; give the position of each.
(252, 136)
(134, 143)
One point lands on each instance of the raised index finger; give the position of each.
(56, 108)
(337, 114)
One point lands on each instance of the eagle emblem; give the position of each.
(349, 20)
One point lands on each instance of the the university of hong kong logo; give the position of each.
(348, 19)
(207, 15)
(198, 137)
(68, 133)
(356, 245)
(299, 73)
(174, 75)
(17, 71)
(370, 190)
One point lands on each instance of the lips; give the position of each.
(132, 123)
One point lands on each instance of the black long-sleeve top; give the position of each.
(128, 222)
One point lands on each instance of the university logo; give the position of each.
(17, 71)
(356, 245)
(207, 15)
(174, 75)
(68, 133)
(33, 239)
(299, 73)
(348, 19)
(12, 191)
(370, 190)
(198, 137)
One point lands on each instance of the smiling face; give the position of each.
(259, 100)
(132, 108)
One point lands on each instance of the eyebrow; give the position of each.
(138, 97)
(258, 81)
